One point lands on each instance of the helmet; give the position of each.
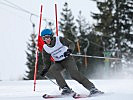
(46, 32)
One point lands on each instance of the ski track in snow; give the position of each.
(23, 90)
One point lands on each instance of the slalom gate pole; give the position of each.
(78, 55)
(56, 20)
(36, 63)
(78, 46)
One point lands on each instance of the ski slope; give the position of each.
(23, 90)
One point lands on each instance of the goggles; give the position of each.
(46, 37)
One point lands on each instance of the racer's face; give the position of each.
(47, 39)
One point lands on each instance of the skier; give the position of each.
(60, 49)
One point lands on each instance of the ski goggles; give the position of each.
(46, 37)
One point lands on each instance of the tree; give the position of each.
(123, 20)
(115, 23)
(104, 26)
(67, 24)
(31, 57)
(83, 30)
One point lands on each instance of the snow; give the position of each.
(23, 90)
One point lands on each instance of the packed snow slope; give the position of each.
(23, 90)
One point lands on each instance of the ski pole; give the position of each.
(53, 82)
(78, 55)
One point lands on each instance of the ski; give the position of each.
(49, 96)
(78, 96)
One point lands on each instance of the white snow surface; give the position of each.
(23, 90)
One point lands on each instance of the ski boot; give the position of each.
(95, 92)
(67, 91)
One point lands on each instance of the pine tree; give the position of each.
(114, 22)
(83, 30)
(124, 23)
(67, 25)
(31, 58)
(31, 54)
(89, 42)
(104, 26)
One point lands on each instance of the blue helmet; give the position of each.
(46, 32)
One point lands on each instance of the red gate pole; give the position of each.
(36, 63)
(56, 19)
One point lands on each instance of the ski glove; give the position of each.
(43, 73)
(67, 53)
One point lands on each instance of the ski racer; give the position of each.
(60, 49)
